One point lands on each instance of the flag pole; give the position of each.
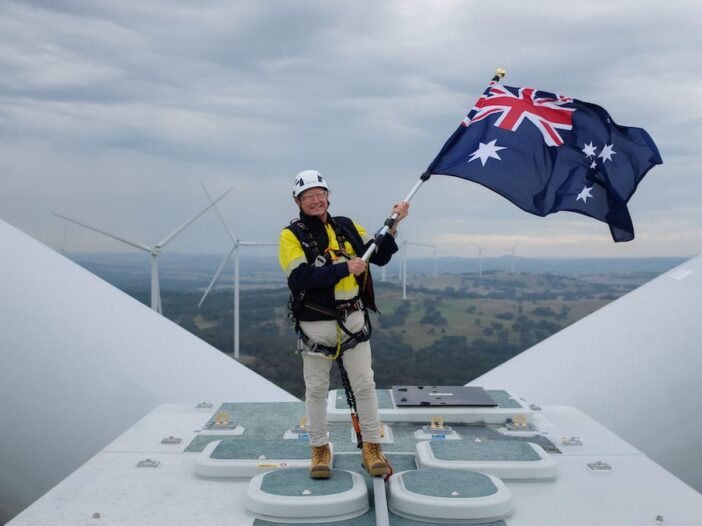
(390, 221)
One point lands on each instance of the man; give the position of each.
(331, 289)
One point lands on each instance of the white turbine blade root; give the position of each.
(231, 234)
(219, 271)
(134, 244)
(177, 231)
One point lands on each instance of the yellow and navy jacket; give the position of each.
(327, 281)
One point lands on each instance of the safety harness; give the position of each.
(340, 313)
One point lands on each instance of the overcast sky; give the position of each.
(110, 111)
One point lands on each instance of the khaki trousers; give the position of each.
(357, 362)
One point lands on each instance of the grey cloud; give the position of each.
(249, 92)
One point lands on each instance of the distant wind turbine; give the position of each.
(435, 255)
(154, 251)
(513, 251)
(236, 243)
(480, 259)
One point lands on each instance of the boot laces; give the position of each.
(374, 453)
(321, 455)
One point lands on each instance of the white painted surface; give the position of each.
(634, 365)
(634, 492)
(81, 362)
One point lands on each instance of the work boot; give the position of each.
(374, 461)
(320, 467)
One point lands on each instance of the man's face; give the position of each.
(313, 202)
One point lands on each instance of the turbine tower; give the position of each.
(480, 259)
(236, 243)
(435, 256)
(154, 251)
(513, 252)
(403, 269)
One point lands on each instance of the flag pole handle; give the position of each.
(390, 221)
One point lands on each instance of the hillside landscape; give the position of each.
(449, 330)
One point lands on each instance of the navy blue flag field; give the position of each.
(546, 153)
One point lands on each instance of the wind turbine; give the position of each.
(513, 251)
(236, 243)
(435, 255)
(480, 259)
(154, 251)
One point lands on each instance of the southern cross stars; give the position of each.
(486, 151)
(607, 152)
(590, 150)
(584, 194)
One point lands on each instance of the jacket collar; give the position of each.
(314, 223)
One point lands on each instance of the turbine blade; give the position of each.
(219, 271)
(231, 234)
(178, 230)
(134, 244)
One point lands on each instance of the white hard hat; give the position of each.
(308, 179)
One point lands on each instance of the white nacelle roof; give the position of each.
(634, 365)
(82, 361)
(630, 490)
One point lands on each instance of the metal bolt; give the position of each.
(148, 463)
(599, 466)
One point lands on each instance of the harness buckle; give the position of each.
(345, 309)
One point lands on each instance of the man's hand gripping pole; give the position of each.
(390, 221)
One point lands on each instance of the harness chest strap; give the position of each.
(345, 231)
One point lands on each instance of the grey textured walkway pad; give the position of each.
(494, 451)
(297, 482)
(449, 484)
(230, 449)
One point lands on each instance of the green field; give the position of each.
(448, 330)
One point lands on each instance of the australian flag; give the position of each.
(546, 152)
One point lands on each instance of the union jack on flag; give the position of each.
(545, 112)
(546, 152)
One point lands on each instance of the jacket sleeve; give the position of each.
(301, 275)
(385, 250)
